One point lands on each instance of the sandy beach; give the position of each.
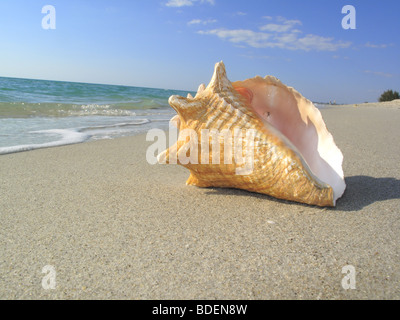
(113, 226)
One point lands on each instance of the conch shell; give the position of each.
(265, 137)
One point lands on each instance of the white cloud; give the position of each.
(251, 38)
(314, 42)
(380, 74)
(179, 3)
(187, 3)
(286, 26)
(272, 27)
(281, 34)
(194, 21)
(377, 46)
(199, 21)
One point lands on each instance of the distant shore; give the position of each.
(388, 104)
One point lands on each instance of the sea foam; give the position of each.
(66, 136)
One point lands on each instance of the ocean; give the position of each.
(40, 114)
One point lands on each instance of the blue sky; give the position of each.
(174, 44)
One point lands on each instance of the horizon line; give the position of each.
(97, 83)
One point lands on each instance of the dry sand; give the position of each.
(395, 104)
(115, 227)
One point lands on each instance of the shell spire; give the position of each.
(219, 81)
(200, 90)
(258, 135)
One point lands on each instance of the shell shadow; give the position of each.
(361, 191)
(245, 193)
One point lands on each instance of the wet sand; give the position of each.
(115, 227)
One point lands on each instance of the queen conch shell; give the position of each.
(292, 154)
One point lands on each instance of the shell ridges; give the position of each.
(258, 135)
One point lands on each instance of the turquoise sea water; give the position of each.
(40, 113)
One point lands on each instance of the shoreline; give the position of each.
(115, 227)
(64, 141)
